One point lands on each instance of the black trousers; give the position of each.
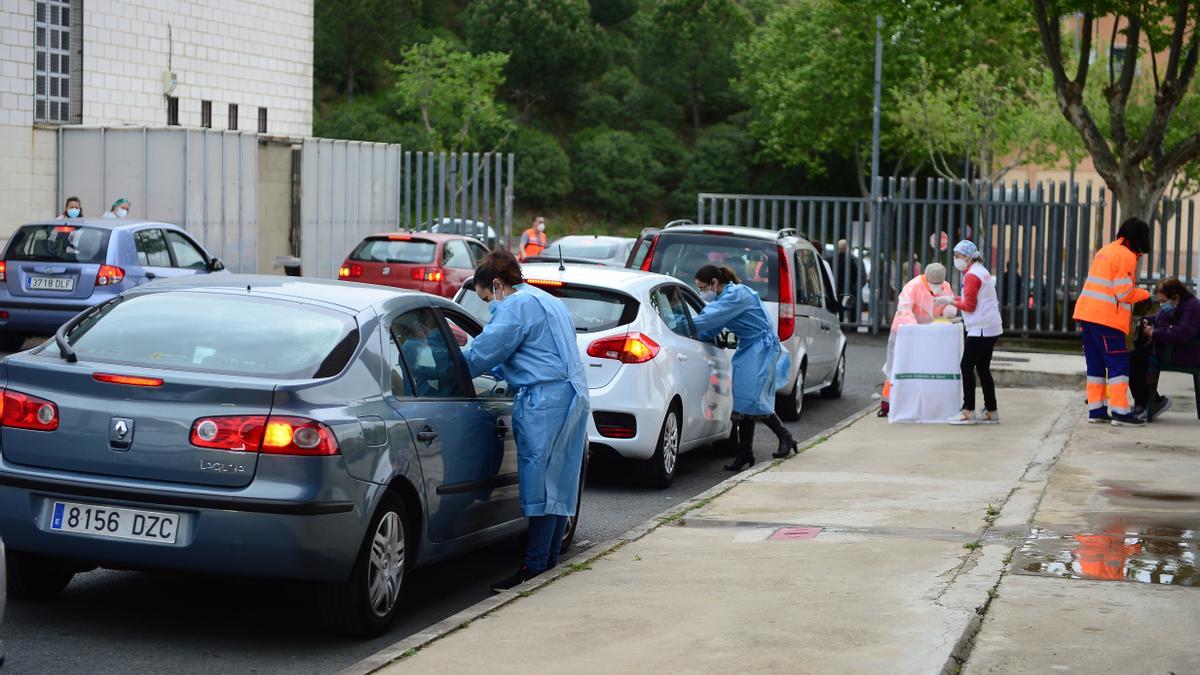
(977, 358)
(1143, 372)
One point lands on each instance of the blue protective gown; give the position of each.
(739, 309)
(532, 339)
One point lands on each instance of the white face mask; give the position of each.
(541, 227)
(961, 265)
(121, 213)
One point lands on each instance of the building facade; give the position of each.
(243, 65)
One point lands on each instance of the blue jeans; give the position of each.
(545, 540)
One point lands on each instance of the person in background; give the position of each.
(1104, 311)
(120, 209)
(916, 304)
(533, 240)
(740, 309)
(981, 317)
(849, 274)
(531, 338)
(1177, 324)
(72, 209)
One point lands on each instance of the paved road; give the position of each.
(127, 622)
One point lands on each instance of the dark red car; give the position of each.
(417, 261)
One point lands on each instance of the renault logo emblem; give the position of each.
(120, 432)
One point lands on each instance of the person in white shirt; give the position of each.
(120, 209)
(981, 316)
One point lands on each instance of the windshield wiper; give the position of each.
(64, 348)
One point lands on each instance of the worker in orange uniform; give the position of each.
(533, 240)
(1104, 310)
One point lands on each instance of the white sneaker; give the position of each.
(963, 417)
(988, 417)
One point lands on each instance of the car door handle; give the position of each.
(151, 275)
(682, 357)
(427, 435)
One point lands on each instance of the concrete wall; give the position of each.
(252, 53)
(274, 204)
(28, 176)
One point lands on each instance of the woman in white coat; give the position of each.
(981, 316)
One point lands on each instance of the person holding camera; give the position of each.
(1177, 324)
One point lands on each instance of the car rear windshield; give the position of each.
(59, 243)
(417, 251)
(582, 249)
(755, 262)
(592, 309)
(214, 333)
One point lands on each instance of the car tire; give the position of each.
(12, 342)
(659, 470)
(791, 405)
(834, 390)
(573, 521)
(36, 577)
(362, 606)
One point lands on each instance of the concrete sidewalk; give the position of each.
(878, 550)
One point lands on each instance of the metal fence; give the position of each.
(1038, 240)
(351, 189)
(203, 180)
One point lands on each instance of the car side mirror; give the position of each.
(215, 265)
(849, 303)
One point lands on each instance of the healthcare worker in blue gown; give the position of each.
(531, 339)
(739, 309)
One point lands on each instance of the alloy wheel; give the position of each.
(670, 443)
(800, 393)
(387, 564)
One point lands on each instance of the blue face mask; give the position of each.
(1167, 306)
(72, 212)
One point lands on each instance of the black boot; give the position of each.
(519, 577)
(787, 444)
(745, 456)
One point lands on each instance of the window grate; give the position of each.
(206, 114)
(52, 63)
(233, 117)
(262, 120)
(173, 111)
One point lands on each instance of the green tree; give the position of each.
(619, 100)
(614, 172)
(450, 93)
(543, 171)
(351, 39)
(1137, 155)
(612, 12)
(720, 161)
(808, 72)
(554, 45)
(690, 53)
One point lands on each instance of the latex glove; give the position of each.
(944, 300)
(950, 311)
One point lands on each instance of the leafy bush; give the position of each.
(543, 170)
(614, 172)
(720, 162)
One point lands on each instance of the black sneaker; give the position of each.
(519, 577)
(1127, 420)
(1162, 406)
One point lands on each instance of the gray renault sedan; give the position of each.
(251, 425)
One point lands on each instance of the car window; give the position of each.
(643, 247)
(586, 247)
(59, 243)
(455, 255)
(185, 252)
(217, 333)
(151, 248)
(478, 251)
(755, 261)
(399, 251)
(809, 290)
(420, 344)
(465, 330)
(669, 304)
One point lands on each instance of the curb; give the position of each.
(1013, 377)
(413, 643)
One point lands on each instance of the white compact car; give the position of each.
(790, 276)
(656, 390)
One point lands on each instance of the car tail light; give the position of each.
(628, 348)
(109, 275)
(787, 298)
(3, 271)
(274, 435)
(723, 233)
(399, 237)
(298, 436)
(551, 283)
(350, 271)
(615, 425)
(22, 411)
(434, 275)
(650, 254)
(130, 380)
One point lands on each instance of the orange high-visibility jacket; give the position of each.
(1108, 295)
(532, 243)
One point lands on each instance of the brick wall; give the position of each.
(252, 53)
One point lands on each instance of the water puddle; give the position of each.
(1152, 551)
